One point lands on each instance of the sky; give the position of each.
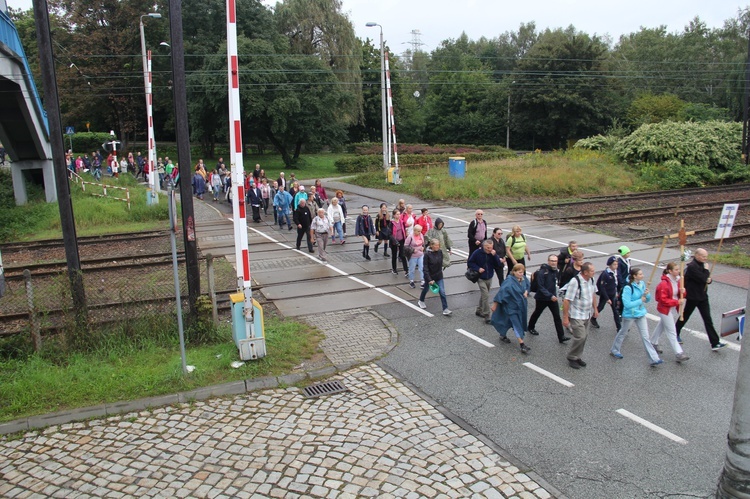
(438, 20)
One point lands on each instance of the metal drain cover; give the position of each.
(325, 388)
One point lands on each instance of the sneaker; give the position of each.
(533, 332)
(616, 355)
(682, 358)
(718, 346)
(394, 272)
(594, 324)
(447, 312)
(657, 348)
(343, 241)
(411, 284)
(406, 274)
(656, 363)
(421, 283)
(504, 339)
(564, 339)
(421, 304)
(524, 348)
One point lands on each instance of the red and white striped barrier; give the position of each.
(239, 209)
(79, 180)
(150, 119)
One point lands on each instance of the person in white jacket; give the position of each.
(336, 217)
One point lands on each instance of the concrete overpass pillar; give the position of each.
(19, 181)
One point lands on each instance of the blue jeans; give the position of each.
(284, 214)
(338, 228)
(413, 263)
(441, 285)
(642, 324)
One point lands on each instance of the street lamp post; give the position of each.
(149, 110)
(382, 95)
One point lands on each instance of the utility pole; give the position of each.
(52, 106)
(735, 477)
(179, 89)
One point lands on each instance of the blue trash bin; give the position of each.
(457, 167)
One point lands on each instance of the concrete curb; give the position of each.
(231, 388)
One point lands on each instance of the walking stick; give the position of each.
(656, 263)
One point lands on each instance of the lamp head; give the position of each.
(155, 15)
(371, 24)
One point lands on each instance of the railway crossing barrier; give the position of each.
(79, 180)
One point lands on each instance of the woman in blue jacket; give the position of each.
(634, 298)
(509, 309)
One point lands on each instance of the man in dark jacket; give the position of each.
(606, 288)
(303, 220)
(566, 256)
(546, 297)
(484, 262)
(572, 269)
(477, 231)
(255, 199)
(696, 287)
(433, 274)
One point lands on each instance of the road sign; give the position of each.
(69, 130)
(726, 221)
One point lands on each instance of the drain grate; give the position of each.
(325, 388)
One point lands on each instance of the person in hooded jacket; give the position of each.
(510, 306)
(438, 232)
(606, 288)
(433, 274)
(623, 269)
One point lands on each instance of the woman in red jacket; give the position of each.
(668, 302)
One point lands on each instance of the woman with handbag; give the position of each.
(414, 244)
(382, 229)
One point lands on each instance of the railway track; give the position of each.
(640, 196)
(53, 243)
(659, 211)
(109, 263)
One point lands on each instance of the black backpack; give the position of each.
(534, 286)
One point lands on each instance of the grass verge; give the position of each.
(737, 258)
(516, 180)
(127, 368)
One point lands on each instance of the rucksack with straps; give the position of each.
(562, 291)
(534, 286)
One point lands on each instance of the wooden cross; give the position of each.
(682, 235)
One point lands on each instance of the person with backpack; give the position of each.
(634, 299)
(544, 284)
(565, 257)
(510, 306)
(518, 250)
(606, 288)
(579, 306)
(438, 232)
(477, 232)
(483, 261)
(623, 269)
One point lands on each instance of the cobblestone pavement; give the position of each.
(354, 335)
(378, 439)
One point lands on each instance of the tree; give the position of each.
(559, 93)
(650, 108)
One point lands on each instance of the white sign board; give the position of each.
(726, 221)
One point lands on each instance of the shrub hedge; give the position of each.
(374, 162)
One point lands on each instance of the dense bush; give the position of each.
(597, 143)
(713, 144)
(86, 142)
(374, 162)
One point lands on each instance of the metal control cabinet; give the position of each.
(250, 348)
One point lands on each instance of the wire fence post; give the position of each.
(36, 336)
(212, 288)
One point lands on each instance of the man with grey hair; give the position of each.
(579, 307)
(696, 288)
(483, 261)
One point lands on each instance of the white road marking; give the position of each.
(551, 376)
(698, 334)
(475, 338)
(651, 426)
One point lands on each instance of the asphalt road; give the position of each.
(572, 434)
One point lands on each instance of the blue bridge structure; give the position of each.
(24, 130)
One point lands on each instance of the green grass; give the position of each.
(126, 368)
(737, 258)
(516, 180)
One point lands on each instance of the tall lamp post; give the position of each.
(149, 110)
(383, 104)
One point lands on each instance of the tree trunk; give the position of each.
(297, 150)
(735, 477)
(288, 161)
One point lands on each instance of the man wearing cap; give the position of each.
(606, 288)
(623, 269)
(696, 288)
